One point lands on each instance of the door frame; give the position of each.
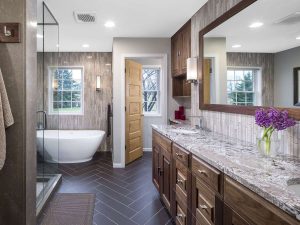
(164, 99)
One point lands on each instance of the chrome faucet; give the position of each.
(43, 125)
(200, 124)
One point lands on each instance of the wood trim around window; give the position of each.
(246, 110)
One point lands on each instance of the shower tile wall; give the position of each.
(18, 66)
(95, 103)
(231, 125)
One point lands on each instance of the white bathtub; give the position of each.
(74, 146)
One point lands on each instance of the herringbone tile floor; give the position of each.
(124, 196)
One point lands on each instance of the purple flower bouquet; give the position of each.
(271, 120)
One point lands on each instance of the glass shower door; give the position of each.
(47, 125)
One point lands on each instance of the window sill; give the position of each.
(152, 115)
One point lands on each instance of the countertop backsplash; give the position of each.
(243, 127)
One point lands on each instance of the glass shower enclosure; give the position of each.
(47, 126)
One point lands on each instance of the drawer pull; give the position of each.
(180, 216)
(202, 172)
(179, 181)
(179, 155)
(203, 206)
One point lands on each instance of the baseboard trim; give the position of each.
(147, 149)
(118, 165)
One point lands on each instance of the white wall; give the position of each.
(216, 48)
(285, 62)
(133, 47)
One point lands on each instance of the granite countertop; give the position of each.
(268, 177)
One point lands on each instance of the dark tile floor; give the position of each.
(124, 196)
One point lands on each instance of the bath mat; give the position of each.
(70, 209)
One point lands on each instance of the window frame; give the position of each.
(159, 106)
(256, 84)
(50, 91)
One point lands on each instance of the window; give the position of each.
(151, 90)
(66, 90)
(241, 86)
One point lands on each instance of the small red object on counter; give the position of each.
(177, 115)
(182, 117)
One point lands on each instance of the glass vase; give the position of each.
(268, 143)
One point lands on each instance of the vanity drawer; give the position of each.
(205, 203)
(181, 214)
(209, 175)
(162, 141)
(181, 154)
(252, 207)
(181, 182)
(181, 176)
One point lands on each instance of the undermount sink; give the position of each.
(183, 131)
(294, 186)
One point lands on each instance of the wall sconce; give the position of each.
(98, 83)
(192, 70)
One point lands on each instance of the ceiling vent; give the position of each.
(85, 17)
(289, 20)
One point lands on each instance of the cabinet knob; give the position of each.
(202, 172)
(179, 155)
(180, 216)
(179, 181)
(203, 206)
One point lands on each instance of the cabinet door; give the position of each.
(185, 51)
(165, 178)
(176, 47)
(155, 165)
(232, 218)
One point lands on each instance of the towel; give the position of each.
(6, 120)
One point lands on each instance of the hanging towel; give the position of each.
(6, 120)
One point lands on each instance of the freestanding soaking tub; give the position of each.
(69, 146)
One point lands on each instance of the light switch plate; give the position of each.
(10, 33)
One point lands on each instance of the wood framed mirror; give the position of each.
(247, 58)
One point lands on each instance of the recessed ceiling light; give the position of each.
(256, 25)
(110, 24)
(85, 45)
(39, 36)
(298, 38)
(236, 46)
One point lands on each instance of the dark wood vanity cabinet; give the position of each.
(181, 186)
(207, 206)
(181, 49)
(196, 193)
(162, 167)
(249, 207)
(180, 52)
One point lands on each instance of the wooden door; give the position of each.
(186, 47)
(134, 117)
(165, 178)
(206, 80)
(155, 165)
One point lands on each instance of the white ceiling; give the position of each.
(133, 18)
(271, 37)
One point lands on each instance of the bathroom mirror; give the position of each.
(297, 86)
(248, 58)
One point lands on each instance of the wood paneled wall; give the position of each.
(232, 125)
(263, 60)
(95, 103)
